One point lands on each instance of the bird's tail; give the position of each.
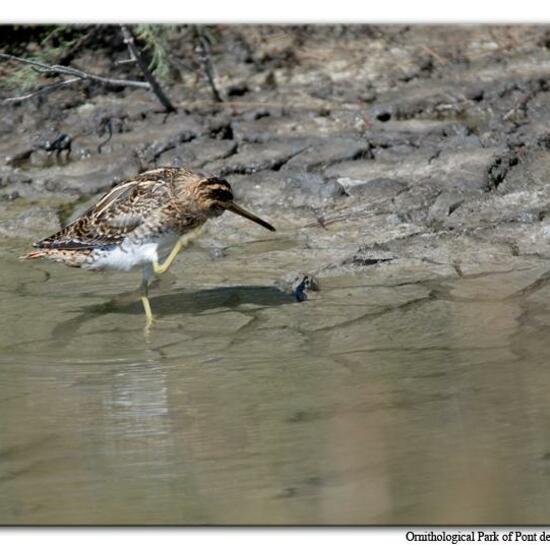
(67, 257)
(33, 255)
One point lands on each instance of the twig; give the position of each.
(42, 90)
(153, 83)
(67, 57)
(434, 54)
(203, 51)
(105, 125)
(129, 61)
(71, 71)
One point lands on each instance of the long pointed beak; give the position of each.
(236, 209)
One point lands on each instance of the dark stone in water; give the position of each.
(307, 282)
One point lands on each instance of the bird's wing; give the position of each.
(114, 216)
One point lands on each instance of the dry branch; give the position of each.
(41, 91)
(153, 82)
(43, 68)
(203, 51)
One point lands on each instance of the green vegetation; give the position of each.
(155, 42)
(55, 42)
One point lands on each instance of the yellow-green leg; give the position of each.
(164, 266)
(146, 304)
(158, 269)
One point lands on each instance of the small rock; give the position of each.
(298, 283)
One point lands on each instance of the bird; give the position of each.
(143, 222)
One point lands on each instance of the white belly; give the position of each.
(130, 255)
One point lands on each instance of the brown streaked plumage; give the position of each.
(143, 222)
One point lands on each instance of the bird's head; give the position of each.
(215, 196)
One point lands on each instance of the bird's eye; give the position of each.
(222, 195)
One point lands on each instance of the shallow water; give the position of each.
(388, 397)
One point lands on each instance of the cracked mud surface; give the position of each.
(406, 169)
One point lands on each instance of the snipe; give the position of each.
(143, 222)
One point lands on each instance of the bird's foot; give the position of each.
(150, 320)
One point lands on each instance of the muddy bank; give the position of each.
(378, 144)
